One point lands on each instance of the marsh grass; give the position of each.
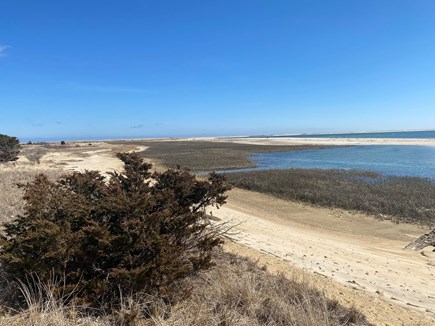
(401, 199)
(207, 155)
(235, 292)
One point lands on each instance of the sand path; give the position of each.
(101, 157)
(353, 249)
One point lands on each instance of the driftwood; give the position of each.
(424, 241)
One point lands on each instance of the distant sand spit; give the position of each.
(324, 141)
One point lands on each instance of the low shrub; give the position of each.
(9, 148)
(135, 232)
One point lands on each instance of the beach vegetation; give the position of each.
(136, 231)
(235, 291)
(9, 148)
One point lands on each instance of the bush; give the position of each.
(135, 232)
(62, 142)
(9, 148)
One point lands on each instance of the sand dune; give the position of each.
(80, 157)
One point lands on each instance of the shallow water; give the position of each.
(398, 160)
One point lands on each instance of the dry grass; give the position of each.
(401, 199)
(235, 292)
(11, 203)
(238, 292)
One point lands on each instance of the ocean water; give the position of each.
(399, 160)
(392, 134)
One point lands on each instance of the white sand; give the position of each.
(325, 141)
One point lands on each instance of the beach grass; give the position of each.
(236, 291)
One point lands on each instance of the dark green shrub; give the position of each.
(136, 232)
(9, 148)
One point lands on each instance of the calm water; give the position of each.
(395, 134)
(388, 160)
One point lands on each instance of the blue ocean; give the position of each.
(399, 160)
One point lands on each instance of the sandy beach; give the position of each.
(355, 250)
(355, 258)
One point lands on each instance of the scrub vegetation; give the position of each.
(136, 231)
(135, 251)
(9, 148)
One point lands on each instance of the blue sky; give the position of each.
(139, 68)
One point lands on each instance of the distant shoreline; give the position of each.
(412, 137)
(331, 141)
(279, 141)
(350, 133)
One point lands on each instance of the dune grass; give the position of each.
(401, 199)
(235, 292)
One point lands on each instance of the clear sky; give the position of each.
(139, 68)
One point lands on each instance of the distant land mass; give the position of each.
(419, 134)
(424, 134)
